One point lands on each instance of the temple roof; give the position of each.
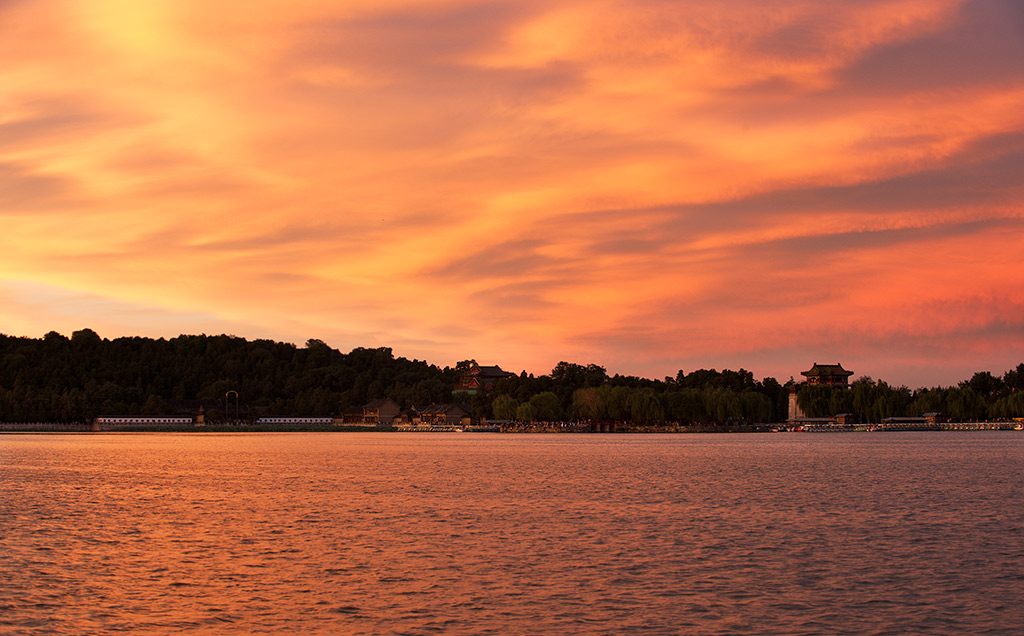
(376, 404)
(444, 409)
(819, 370)
(490, 372)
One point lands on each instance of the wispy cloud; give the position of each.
(647, 184)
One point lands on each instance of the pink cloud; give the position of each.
(645, 185)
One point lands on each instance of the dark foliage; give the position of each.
(983, 397)
(61, 379)
(57, 378)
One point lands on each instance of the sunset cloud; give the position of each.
(647, 185)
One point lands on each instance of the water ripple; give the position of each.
(774, 535)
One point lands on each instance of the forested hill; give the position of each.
(80, 377)
(57, 378)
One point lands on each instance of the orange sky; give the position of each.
(647, 185)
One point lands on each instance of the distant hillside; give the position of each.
(80, 377)
(56, 378)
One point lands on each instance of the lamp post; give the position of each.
(226, 404)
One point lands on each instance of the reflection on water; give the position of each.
(468, 534)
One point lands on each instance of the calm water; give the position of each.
(883, 533)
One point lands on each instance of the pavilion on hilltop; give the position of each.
(478, 378)
(827, 375)
(817, 375)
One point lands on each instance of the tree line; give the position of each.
(57, 378)
(983, 397)
(77, 378)
(586, 392)
(707, 396)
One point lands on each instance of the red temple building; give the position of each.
(827, 375)
(821, 375)
(477, 378)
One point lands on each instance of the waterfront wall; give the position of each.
(68, 427)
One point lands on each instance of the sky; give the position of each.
(647, 185)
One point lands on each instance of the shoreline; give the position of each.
(58, 429)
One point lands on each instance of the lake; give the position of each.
(389, 533)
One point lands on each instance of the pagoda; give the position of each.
(478, 378)
(827, 375)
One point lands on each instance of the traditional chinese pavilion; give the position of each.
(477, 378)
(827, 375)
